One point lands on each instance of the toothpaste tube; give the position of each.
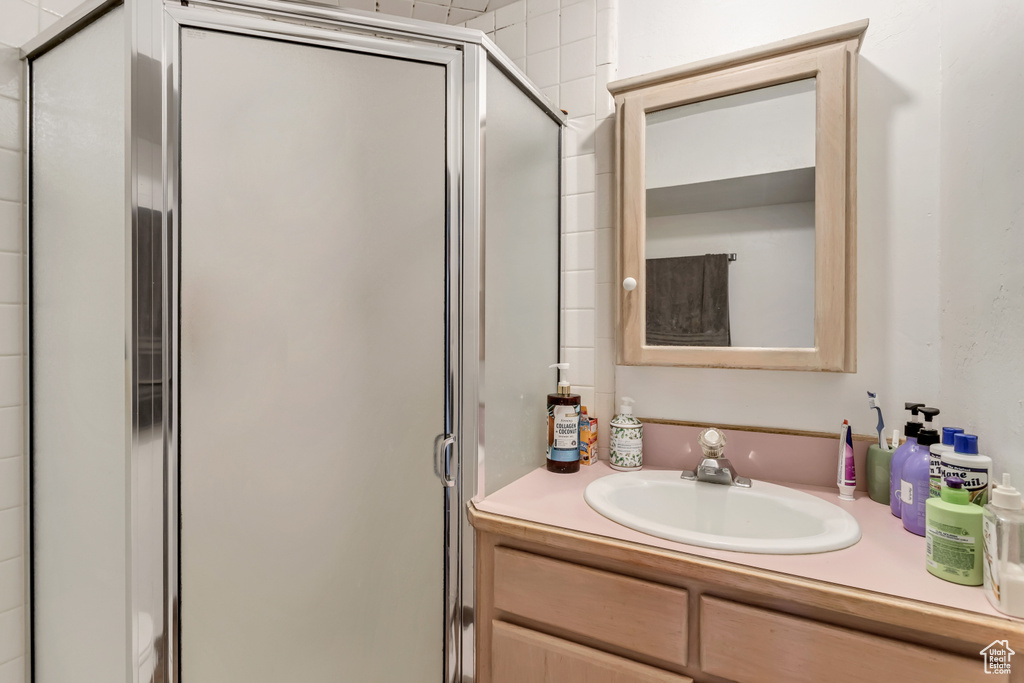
(846, 478)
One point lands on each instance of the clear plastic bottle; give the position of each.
(1003, 530)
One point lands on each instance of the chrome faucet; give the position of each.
(715, 469)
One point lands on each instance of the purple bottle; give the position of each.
(916, 475)
(900, 456)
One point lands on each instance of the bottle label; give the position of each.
(934, 475)
(626, 446)
(934, 464)
(949, 550)
(906, 492)
(991, 548)
(975, 480)
(564, 433)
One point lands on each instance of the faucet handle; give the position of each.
(712, 442)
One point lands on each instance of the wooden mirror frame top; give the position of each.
(830, 56)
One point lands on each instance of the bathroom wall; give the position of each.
(20, 20)
(940, 288)
(981, 295)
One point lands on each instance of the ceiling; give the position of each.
(440, 11)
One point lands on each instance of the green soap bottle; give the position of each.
(953, 536)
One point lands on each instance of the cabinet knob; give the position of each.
(629, 284)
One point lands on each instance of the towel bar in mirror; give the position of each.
(737, 208)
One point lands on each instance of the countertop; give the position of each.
(887, 559)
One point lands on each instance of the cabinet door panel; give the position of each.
(524, 656)
(614, 609)
(753, 645)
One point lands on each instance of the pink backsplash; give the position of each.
(781, 458)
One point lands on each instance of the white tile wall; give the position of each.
(512, 40)
(605, 58)
(570, 58)
(579, 213)
(542, 32)
(578, 59)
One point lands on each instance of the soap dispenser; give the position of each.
(626, 447)
(563, 428)
(900, 456)
(1003, 531)
(914, 478)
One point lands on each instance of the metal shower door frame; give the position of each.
(152, 164)
(278, 21)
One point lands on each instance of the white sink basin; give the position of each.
(765, 518)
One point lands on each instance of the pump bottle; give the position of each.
(901, 454)
(914, 478)
(563, 454)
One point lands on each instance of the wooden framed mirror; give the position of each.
(737, 208)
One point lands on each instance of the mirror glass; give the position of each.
(729, 240)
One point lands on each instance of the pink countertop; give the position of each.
(887, 559)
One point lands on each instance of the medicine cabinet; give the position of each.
(737, 208)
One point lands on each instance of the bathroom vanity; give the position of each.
(565, 595)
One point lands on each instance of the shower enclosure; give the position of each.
(286, 264)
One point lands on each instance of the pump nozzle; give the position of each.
(1005, 496)
(913, 425)
(563, 386)
(626, 408)
(929, 413)
(913, 407)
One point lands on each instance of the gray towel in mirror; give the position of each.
(688, 301)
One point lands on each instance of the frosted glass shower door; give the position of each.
(312, 363)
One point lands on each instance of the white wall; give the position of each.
(982, 190)
(898, 193)
(939, 81)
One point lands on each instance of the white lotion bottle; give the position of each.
(965, 462)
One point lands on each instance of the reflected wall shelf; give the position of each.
(764, 189)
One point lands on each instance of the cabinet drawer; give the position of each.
(643, 617)
(519, 655)
(754, 645)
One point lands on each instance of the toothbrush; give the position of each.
(875, 404)
(895, 439)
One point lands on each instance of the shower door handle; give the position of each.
(443, 458)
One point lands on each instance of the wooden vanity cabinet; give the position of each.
(558, 606)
